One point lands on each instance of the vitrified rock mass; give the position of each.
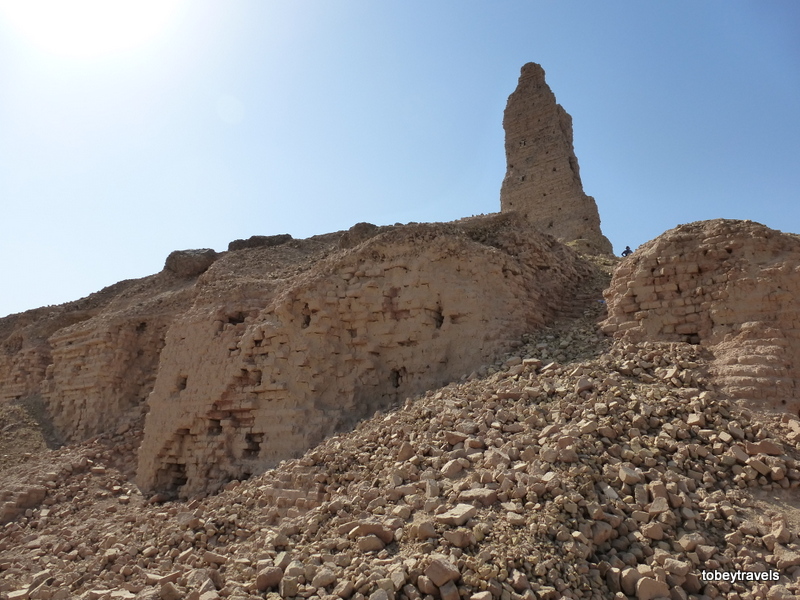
(542, 179)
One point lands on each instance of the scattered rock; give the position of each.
(190, 263)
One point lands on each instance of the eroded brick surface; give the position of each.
(543, 179)
(248, 379)
(731, 286)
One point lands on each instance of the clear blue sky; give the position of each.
(250, 117)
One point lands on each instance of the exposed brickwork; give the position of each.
(247, 379)
(543, 179)
(729, 285)
(92, 361)
(275, 347)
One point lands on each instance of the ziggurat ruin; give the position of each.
(489, 409)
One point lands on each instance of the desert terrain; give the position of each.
(495, 408)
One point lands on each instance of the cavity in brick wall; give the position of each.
(725, 284)
(327, 353)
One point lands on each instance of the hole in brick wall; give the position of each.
(352, 332)
(214, 427)
(182, 380)
(257, 343)
(550, 225)
(179, 478)
(396, 376)
(678, 288)
(729, 250)
(252, 445)
(438, 317)
(141, 327)
(250, 376)
(236, 318)
(522, 178)
(306, 317)
(692, 338)
(171, 477)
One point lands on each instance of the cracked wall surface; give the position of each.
(542, 179)
(254, 374)
(93, 362)
(729, 285)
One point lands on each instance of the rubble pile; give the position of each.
(575, 468)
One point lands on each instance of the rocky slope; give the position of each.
(575, 468)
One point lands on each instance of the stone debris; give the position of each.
(636, 505)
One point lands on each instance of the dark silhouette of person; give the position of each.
(627, 251)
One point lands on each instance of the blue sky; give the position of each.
(243, 118)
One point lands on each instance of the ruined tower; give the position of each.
(542, 176)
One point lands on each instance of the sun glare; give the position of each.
(88, 28)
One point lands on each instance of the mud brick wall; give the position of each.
(729, 285)
(247, 379)
(542, 179)
(101, 372)
(92, 362)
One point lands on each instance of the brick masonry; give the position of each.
(731, 286)
(542, 179)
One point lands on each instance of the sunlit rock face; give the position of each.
(542, 179)
(731, 286)
(262, 368)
